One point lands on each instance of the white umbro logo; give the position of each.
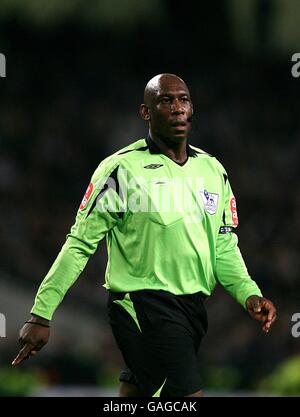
(153, 166)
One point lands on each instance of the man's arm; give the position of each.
(94, 219)
(97, 214)
(231, 270)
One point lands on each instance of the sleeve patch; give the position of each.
(86, 196)
(227, 229)
(234, 214)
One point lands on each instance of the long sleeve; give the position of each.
(231, 270)
(97, 214)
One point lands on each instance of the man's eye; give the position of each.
(185, 99)
(165, 100)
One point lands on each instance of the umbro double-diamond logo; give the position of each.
(153, 166)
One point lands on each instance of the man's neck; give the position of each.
(175, 151)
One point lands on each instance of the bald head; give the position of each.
(159, 83)
(167, 108)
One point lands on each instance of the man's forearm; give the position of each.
(231, 270)
(65, 270)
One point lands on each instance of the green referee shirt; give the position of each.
(168, 227)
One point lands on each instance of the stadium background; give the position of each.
(75, 76)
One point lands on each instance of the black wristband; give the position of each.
(39, 324)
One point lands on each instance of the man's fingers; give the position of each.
(21, 341)
(257, 306)
(272, 313)
(268, 324)
(274, 318)
(23, 354)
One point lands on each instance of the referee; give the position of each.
(169, 216)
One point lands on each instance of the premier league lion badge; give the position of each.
(210, 201)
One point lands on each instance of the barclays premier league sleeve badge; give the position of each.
(210, 201)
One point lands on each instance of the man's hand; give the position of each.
(262, 310)
(32, 338)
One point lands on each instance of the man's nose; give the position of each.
(177, 106)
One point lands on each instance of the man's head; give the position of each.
(168, 108)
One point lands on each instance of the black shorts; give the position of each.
(159, 335)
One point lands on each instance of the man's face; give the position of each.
(170, 109)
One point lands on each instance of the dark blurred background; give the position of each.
(75, 74)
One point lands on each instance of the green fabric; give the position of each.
(178, 250)
(157, 394)
(127, 304)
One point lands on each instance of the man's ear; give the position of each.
(144, 112)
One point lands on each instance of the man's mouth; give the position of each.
(178, 123)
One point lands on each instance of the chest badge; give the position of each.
(210, 201)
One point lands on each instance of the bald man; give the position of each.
(170, 218)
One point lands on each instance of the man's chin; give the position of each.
(174, 138)
(178, 138)
(179, 134)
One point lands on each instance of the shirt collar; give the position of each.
(153, 148)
